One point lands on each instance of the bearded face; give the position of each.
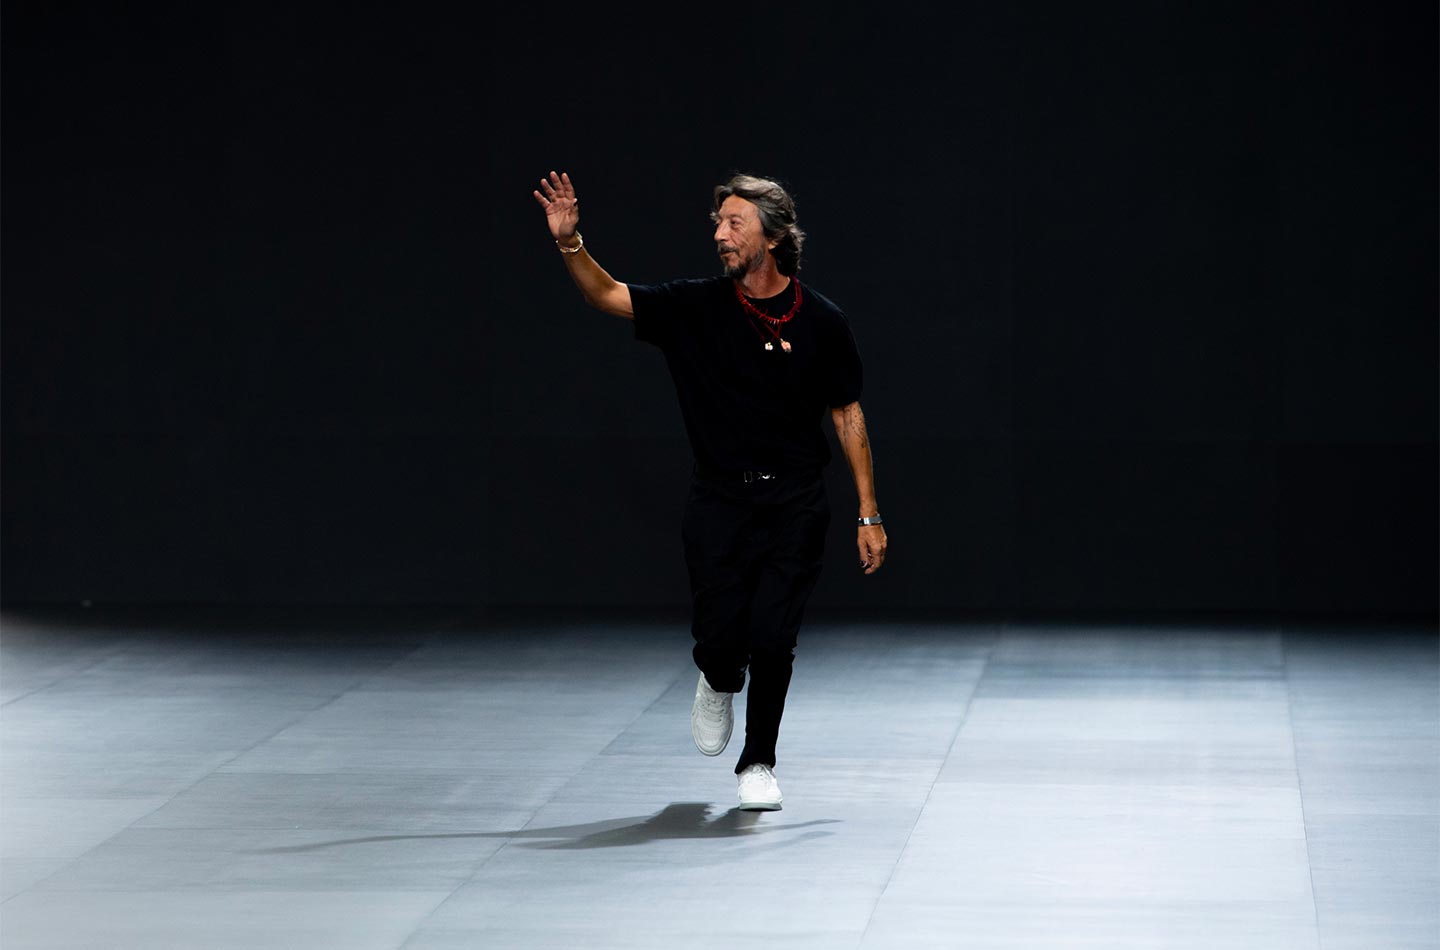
(739, 238)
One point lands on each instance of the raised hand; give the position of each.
(562, 208)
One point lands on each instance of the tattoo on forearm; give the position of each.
(852, 421)
(850, 428)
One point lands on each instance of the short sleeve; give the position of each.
(843, 373)
(662, 311)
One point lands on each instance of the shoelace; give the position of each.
(713, 700)
(763, 776)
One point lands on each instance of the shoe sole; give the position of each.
(760, 806)
(694, 734)
(705, 751)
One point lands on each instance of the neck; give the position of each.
(764, 281)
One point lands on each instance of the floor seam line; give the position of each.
(1300, 786)
(213, 771)
(109, 654)
(541, 807)
(964, 715)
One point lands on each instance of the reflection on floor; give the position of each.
(427, 779)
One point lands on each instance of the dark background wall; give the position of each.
(1146, 296)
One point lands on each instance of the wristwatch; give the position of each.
(875, 520)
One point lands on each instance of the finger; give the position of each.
(569, 188)
(541, 198)
(546, 187)
(874, 556)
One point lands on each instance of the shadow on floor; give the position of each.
(676, 820)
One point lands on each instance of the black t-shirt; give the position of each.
(746, 407)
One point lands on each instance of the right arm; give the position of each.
(562, 214)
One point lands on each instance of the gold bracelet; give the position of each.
(572, 250)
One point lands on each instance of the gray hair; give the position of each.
(777, 216)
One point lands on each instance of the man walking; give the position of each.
(756, 358)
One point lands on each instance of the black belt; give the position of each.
(750, 475)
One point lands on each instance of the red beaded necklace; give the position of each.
(769, 323)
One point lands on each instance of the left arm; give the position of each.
(855, 440)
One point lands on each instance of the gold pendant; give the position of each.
(769, 346)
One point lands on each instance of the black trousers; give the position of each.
(753, 550)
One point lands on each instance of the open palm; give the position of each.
(562, 208)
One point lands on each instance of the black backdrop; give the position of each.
(1146, 295)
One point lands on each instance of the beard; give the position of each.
(743, 266)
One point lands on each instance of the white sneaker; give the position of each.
(711, 718)
(758, 789)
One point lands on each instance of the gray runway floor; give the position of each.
(241, 780)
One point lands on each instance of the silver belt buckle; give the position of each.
(751, 476)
